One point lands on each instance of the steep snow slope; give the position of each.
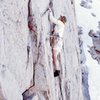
(87, 21)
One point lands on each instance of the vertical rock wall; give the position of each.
(25, 54)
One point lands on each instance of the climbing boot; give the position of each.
(56, 73)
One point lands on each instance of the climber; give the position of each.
(57, 39)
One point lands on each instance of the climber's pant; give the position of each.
(58, 45)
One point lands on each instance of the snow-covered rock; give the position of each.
(95, 54)
(95, 49)
(84, 68)
(89, 19)
(86, 4)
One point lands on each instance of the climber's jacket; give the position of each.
(59, 27)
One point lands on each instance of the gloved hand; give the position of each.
(50, 4)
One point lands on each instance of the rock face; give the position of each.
(26, 69)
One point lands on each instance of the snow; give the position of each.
(87, 21)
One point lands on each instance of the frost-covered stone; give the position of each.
(94, 54)
(86, 4)
(93, 14)
(96, 39)
(95, 49)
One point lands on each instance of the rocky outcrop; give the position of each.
(95, 49)
(26, 69)
(86, 4)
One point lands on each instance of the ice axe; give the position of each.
(50, 6)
